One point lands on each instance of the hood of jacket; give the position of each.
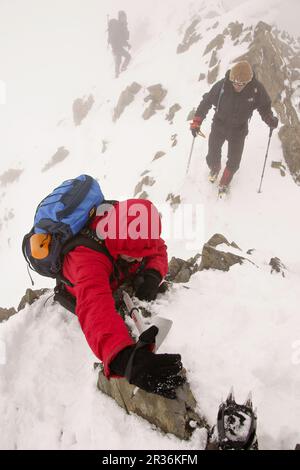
(131, 228)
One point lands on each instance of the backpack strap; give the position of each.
(88, 238)
(220, 96)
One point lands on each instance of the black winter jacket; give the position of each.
(233, 109)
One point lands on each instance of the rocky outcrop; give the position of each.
(173, 200)
(178, 417)
(10, 176)
(279, 166)
(60, 155)
(146, 181)
(172, 111)
(9, 215)
(234, 30)
(212, 75)
(125, 99)
(212, 258)
(277, 266)
(156, 95)
(180, 271)
(104, 146)
(214, 59)
(158, 155)
(290, 139)
(190, 37)
(191, 114)
(174, 140)
(6, 313)
(216, 43)
(31, 296)
(279, 72)
(81, 108)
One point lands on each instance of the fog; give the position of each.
(287, 17)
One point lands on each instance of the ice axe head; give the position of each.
(163, 325)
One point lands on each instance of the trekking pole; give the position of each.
(270, 135)
(190, 157)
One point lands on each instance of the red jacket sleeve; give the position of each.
(159, 261)
(104, 329)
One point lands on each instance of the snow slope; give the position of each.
(242, 317)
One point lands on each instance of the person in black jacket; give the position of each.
(118, 36)
(235, 97)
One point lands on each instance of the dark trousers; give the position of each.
(118, 53)
(217, 137)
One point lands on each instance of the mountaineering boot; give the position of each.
(223, 190)
(224, 182)
(213, 175)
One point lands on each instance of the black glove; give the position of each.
(195, 125)
(148, 289)
(272, 121)
(154, 373)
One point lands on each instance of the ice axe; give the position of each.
(163, 324)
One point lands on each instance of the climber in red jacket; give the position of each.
(134, 251)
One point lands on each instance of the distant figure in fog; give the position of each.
(118, 36)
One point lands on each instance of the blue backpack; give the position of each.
(59, 219)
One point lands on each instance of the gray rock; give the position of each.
(9, 215)
(81, 108)
(180, 271)
(10, 176)
(125, 99)
(217, 43)
(146, 181)
(290, 138)
(158, 155)
(156, 95)
(170, 416)
(144, 195)
(279, 166)
(218, 239)
(212, 74)
(190, 37)
(60, 155)
(191, 114)
(277, 266)
(173, 200)
(234, 30)
(172, 111)
(214, 59)
(201, 77)
(174, 140)
(31, 296)
(104, 146)
(5, 313)
(215, 259)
